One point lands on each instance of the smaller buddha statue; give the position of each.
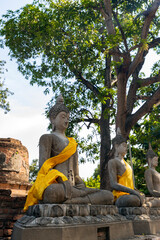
(58, 179)
(121, 176)
(152, 177)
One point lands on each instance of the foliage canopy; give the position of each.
(92, 51)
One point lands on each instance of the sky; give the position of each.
(26, 120)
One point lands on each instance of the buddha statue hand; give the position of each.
(155, 193)
(141, 196)
(79, 182)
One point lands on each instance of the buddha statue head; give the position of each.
(152, 158)
(59, 112)
(119, 144)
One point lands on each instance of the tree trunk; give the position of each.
(105, 149)
(121, 102)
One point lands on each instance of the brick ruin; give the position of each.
(14, 183)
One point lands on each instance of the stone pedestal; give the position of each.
(146, 220)
(77, 222)
(87, 222)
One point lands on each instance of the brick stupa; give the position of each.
(14, 166)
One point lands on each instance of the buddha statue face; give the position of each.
(60, 122)
(153, 162)
(121, 149)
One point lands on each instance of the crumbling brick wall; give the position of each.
(14, 163)
(14, 183)
(11, 209)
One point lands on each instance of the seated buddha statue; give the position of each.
(152, 178)
(58, 180)
(121, 176)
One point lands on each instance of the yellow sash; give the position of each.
(126, 180)
(46, 176)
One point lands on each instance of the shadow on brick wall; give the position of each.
(11, 209)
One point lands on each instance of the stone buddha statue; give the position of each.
(152, 177)
(121, 176)
(58, 180)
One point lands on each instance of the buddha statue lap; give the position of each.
(58, 162)
(121, 176)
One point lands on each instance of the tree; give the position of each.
(93, 182)
(93, 52)
(33, 170)
(4, 92)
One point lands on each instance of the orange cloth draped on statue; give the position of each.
(126, 180)
(46, 176)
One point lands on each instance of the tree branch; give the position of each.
(138, 83)
(148, 81)
(108, 17)
(107, 14)
(89, 120)
(154, 43)
(81, 79)
(141, 97)
(134, 47)
(121, 30)
(117, 53)
(150, 13)
(145, 108)
(89, 85)
(148, 19)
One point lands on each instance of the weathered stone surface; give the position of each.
(14, 163)
(142, 220)
(58, 210)
(141, 213)
(77, 228)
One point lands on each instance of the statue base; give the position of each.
(65, 221)
(87, 222)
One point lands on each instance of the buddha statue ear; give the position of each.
(53, 127)
(52, 123)
(118, 131)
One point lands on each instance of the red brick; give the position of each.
(16, 217)
(1, 232)
(7, 232)
(6, 216)
(1, 224)
(18, 205)
(4, 204)
(5, 192)
(5, 211)
(19, 199)
(9, 224)
(4, 198)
